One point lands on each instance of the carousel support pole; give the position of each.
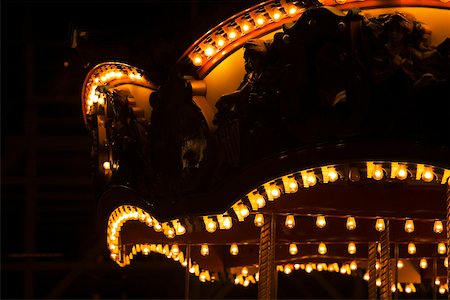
(372, 260)
(434, 278)
(448, 234)
(186, 273)
(385, 259)
(267, 285)
(396, 253)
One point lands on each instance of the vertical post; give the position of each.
(448, 233)
(186, 274)
(434, 278)
(372, 259)
(396, 254)
(385, 260)
(267, 285)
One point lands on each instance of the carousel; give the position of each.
(295, 136)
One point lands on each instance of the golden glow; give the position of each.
(260, 201)
(232, 33)
(197, 59)
(351, 223)
(259, 220)
(234, 250)
(288, 269)
(274, 191)
(333, 175)
(291, 9)
(245, 26)
(211, 226)
(175, 249)
(311, 179)
(393, 289)
(157, 226)
(322, 249)
(402, 172)
(308, 268)
(170, 233)
(351, 248)
(379, 225)
(378, 172)
(446, 262)
(181, 229)
(107, 165)
(442, 288)
(427, 174)
(438, 227)
(321, 222)
(292, 186)
(423, 263)
(260, 20)
(400, 264)
(275, 14)
(204, 250)
(243, 210)
(340, 1)
(220, 42)
(353, 266)
(437, 281)
(411, 248)
(293, 250)
(366, 276)
(409, 226)
(378, 282)
(244, 271)
(227, 222)
(408, 289)
(441, 248)
(209, 50)
(290, 221)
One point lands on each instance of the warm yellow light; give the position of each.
(423, 263)
(232, 33)
(181, 229)
(409, 226)
(366, 276)
(211, 226)
(260, 20)
(377, 265)
(275, 191)
(260, 201)
(378, 282)
(175, 249)
(438, 227)
(333, 175)
(442, 248)
(319, 267)
(297, 266)
(257, 276)
(244, 271)
(308, 268)
(427, 174)
(437, 281)
(351, 223)
(245, 26)
(351, 248)
(290, 221)
(157, 226)
(408, 289)
(291, 10)
(446, 262)
(353, 266)
(209, 50)
(322, 249)
(411, 248)
(246, 283)
(107, 165)
(379, 225)
(202, 277)
(292, 186)
(343, 270)
(197, 59)
(192, 269)
(288, 269)
(170, 233)
(204, 250)
(234, 250)
(393, 289)
(293, 250)
(243, 210)
(378, 172)
(340, 1)
(400, 264)
(276, 14)
(311, 178)
(227, 222)
(321, 222)
(220, 42)
(442, 290)
(259, 220)
(402, 172)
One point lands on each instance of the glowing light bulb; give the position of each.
(442, 248)
(157, 227)
(246, 283)
(353, 266)
(107, 165)
(245, 26)
(351, 248)
(211, 226)
(202, 277)
(234, 250)
(322, 249)
(175, 249)
(291, 10)
(192, 269)
(400, 264)
(333, 175)
(292, 186)
(438, 227)
(437, 281)
(442, 290)
(411, 248)
(232, 33)
(288, 269)
(290, 221)
(321, 222)
(393, 289)
(377, 265)
(379, 225)
(260, 20)
(227, 222)
(427, 174)
(446, 262)
(275, 191)
(260, 201)
(409, 226)
(170, 233)
(308, 268)
(351, 223)
(343, 270)
(311, 178)
(257, 276)
(181, 229)
(220, 42)
(209, 50)
(243, 210)
(293, 250)
(244, 271)
(276, 14)
(204, 250)
(402, 172)
(408, 289)
(259, 220)
(423, 264)
(378, 172)
(378, 282)
(197, 59)
(366, 276)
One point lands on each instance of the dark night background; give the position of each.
(51, 244)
